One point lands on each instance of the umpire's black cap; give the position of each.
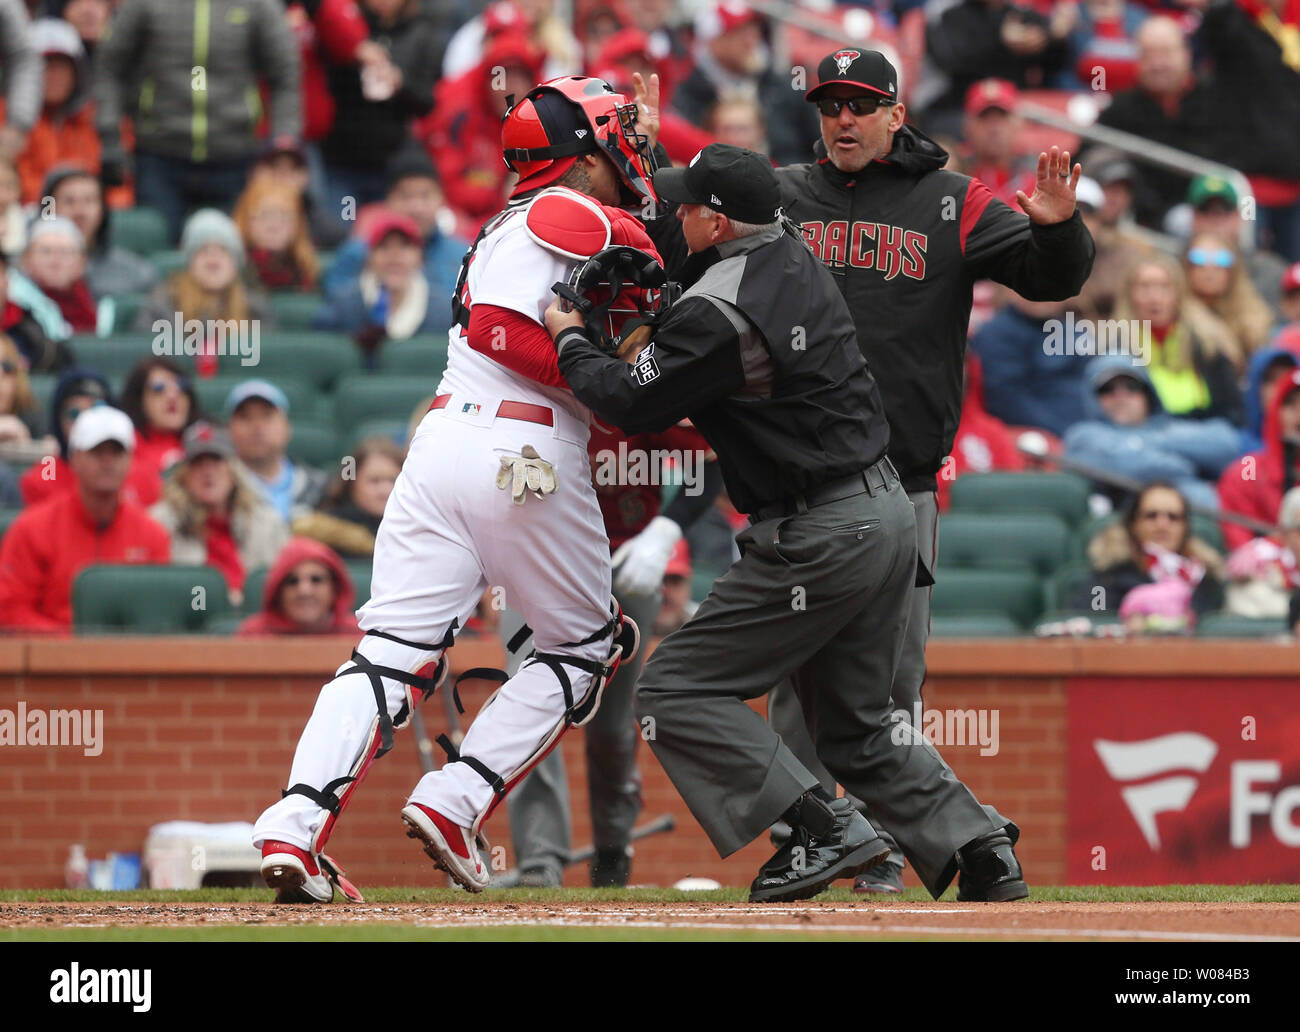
(736, 182)
(853, 66)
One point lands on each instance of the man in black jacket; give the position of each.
(760, 352)
(905, 241)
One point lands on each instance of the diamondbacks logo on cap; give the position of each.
(844, 58)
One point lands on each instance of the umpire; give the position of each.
(760, 354)
(905, 242)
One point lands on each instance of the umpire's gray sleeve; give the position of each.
(23, 67)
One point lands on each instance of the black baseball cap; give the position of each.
(736, 182)
(853, 66)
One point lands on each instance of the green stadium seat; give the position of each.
(1035, 539)
(114, 356)
(295, 310)
(1208, 530)
(167, 262)
(140, 229)
(147, 599)
(360, 397)
(975, 625)
(316, 444)
(966, 592)
(212, 391)
(125, 308)
(423, 355)
(42, 385)
(254, 586)
(1061, 494)
(1229, 625)
(359, 570)
(393, 429)
(316, 357)
(226, 625)
(1061, 587)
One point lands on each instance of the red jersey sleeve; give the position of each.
(516, 342)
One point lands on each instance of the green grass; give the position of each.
(1047, 894)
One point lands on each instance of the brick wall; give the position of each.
(204, 729)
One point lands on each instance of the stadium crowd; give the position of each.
(312, 171)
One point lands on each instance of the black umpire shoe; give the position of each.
(610, 868)
(990, 872)
(829, 841)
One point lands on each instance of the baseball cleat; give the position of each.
(451, 848)
(294, 874)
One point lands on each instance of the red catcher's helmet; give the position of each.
(574, 115)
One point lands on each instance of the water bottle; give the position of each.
(76, 874)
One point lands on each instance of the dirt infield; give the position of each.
(1196, 922)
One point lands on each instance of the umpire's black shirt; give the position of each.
(906, 242)
(760, 354)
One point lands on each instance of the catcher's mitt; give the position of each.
(620, 292)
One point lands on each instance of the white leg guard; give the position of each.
(522, 722)
(371, 696)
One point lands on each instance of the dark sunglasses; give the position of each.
(71, 414)
(1219, 257)
(1155, 514)
(832, 106)
(294, 579)
(8, 368)
(158, 386)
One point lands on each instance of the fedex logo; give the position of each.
(1178, 759)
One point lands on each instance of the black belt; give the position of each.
(875, 479)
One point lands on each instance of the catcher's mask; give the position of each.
(619, 291)
(573, 115)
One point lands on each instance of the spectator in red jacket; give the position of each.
(47, 546)
(991, 129)
(983, 443)
(55, 260)
(307, 592)
(162, 403)
(1254, 484)
(463, 135)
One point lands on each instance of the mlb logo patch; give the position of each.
(470, 408)
(645, 368)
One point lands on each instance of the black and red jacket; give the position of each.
(906, 241)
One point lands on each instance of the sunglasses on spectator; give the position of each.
(864, 105)
(1120, 383)
(1155, 514)
(158, 386)
(8, 368)
(1219, 257)
(72, 413)
(294, 579)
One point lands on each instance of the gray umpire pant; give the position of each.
(783, 708)
(539, 810)
(822, 597)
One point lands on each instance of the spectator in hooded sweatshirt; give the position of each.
(1266, 366)
(78, 195)
(1128, 433)
(55, 261)
(49, 544)
(308, 591)
(214, 516)
(415, 192)
(463, 135)
(983, 443)
(732, 58)
(376, 102)
(1254, 485)
(1029, 380)
(196, 134)
(65, 131)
